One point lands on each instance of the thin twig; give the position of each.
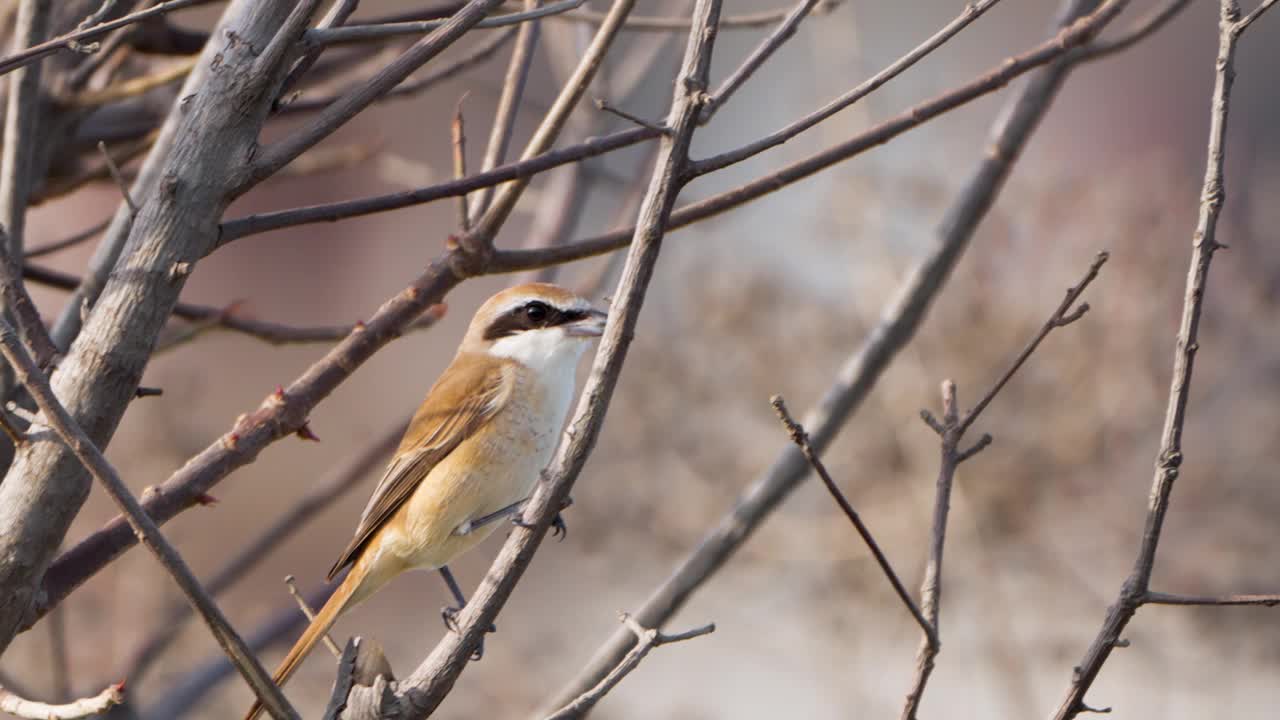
(362, 33)
(85, 707)
(69, 431)
(49, 248)
(310, 614)
(646, 640)
(479, 53)
(1069, 37)
(19, 303)
(118, 177)
(458, 131)
(319, 495)
(951, 430)
(275, 156)
(745, 21)
(74, 39)
(479, 242)
(504, 117)
(1143, 28)
(1064, 315)
(1159, 598)
(901, 318)
(801, 439)
(229, 317)
(767, 47)
(24, 112)
(1169, 458)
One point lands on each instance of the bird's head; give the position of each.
(536, 324)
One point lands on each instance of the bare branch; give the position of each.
(23, 113)
(646, 640)
(1071, 36)
(70, 241)
(319, 495)
(65, 426)
(110, 697)
(504, 118)
(902, 316)
(801, 440)
(19, 303)
(362, 33)
(274, 157)
(1060, 317)
(1146, 26)
(480, 53)
(745, 21)
(427, 686)
(479, 242)
(931, 587)
(1159, 598)
(310, 614)
(459, 133)
(767, 47)
(1203, 244)
(73, 40)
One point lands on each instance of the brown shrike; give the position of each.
(473, 450)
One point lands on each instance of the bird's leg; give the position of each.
(471, 525)
(450, 614)
(558, 526)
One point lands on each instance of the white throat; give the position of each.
(548, 352)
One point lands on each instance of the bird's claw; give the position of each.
(558, 527)
(450, 616)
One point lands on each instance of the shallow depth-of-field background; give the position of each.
(771, 299)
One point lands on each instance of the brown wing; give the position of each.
(469, 394)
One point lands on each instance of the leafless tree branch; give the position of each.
(74, 40)
(423, 690)
(1204, 243)
(78, 442)
(951, 429)
(902, 316)
(14, 705)
(801, 439)
(646, 640)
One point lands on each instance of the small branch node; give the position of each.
(978, 447)
(932, 421)
(143, 391)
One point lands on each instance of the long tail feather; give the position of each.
(324, 620)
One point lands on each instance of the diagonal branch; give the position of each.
(88, 454)
(951, 430)
(1204, 243)
(801, 440)
(902, 316)
(74, 40)
(646, 640)
(426, 687)
(274, 157)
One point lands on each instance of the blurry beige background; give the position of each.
(770, 299)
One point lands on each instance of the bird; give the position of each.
(472, 452)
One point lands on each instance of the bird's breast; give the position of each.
(494, 468)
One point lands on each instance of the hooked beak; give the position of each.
(590, 326)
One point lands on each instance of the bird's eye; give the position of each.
(537, 311)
